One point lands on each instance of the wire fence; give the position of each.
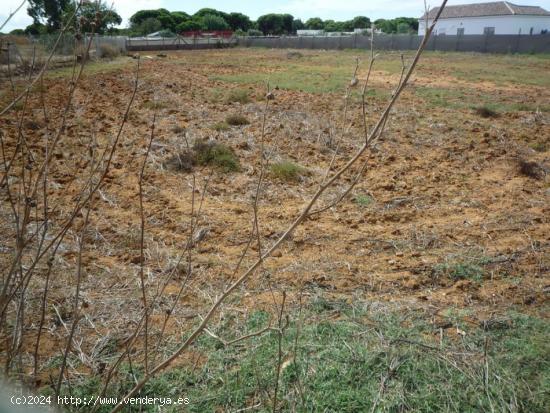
(464, 43)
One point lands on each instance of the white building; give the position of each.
(500, 17)
(310, 32)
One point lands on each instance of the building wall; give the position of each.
(502, 24)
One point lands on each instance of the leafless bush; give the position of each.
(108, 51)
(532, 169)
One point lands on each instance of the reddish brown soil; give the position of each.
(446, 187)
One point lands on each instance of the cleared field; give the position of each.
(425, 289)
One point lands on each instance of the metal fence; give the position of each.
(464, 43)
(179, 43)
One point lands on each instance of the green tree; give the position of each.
(147, 26)
(360, 22)
(297, 24)
(238, 21)
(315, 23)
(94, 17)
(179, 17)
(214, 22)
(163, 16)
(48, 13)
(332, 26)
(35, 29)
(254, 32)
(387, 26)
(287, 20)
(271, 23)
(403, 28)
(210, 12)
(191, 25)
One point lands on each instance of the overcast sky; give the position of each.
(303, 9)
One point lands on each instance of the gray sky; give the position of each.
(304, 9)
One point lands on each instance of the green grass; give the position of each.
(216, 154)
(462, 268)
(501, 70)
(540, 146)
(363, 200)
(287, 171)
(237, 95)
(469, 98)
(337, 356)
(92, 67)
(221, 127)
(154, 105)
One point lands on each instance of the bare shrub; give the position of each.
(486, 112)
(236, 120)
(294, 55)
(221, 126)
(108, 51)
(183, 161)
(237, 96)
(532, 169)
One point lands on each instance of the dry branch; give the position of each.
(372, 136)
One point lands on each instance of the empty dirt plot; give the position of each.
(424, 289)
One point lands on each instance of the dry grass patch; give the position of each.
(236, 120)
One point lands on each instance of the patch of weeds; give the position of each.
(287, 171)
(257, 320)
(338, 364)
(108, 51)
(216, 154)
(178, 129)
(237, 95)
(154, 105)
(539, 146)
(320, 305)
(236, 120)
(183, 161)
(486, 112)
(92, 68)
(294, 55)
(531, 169)
(221, 127)
(443, 97)
(363, 200)
(460, 271)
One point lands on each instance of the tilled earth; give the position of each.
(452, 211)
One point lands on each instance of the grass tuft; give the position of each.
(237, 96)
(486, 112)
(182, 162)
(363, 200)
(221, 126)
(236, 120)
(532, 169)
(287, 171)
(216, 154)
(460, 270)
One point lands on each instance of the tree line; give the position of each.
(50, 15)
